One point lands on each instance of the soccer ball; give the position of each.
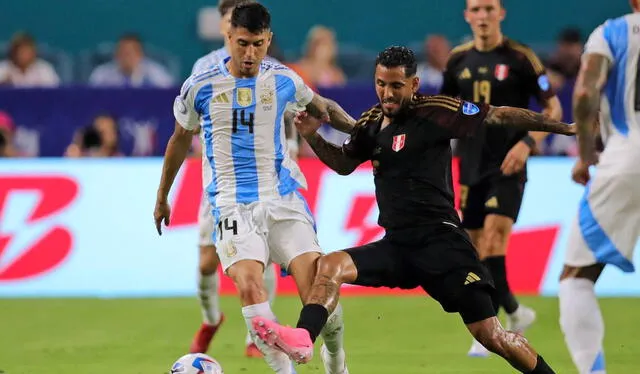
(196, 363)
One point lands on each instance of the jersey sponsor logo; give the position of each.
(483, 70)
(471, 278)
(492, 202)
(244, 96)
(501, 72)
(398, 142)
(222, 99)
(470, 109)
(543, 82)
(466, 74)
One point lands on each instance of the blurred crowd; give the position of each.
(127, 63)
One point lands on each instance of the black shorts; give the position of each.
(492, 195)
(440, 259)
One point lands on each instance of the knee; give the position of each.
(491, 339)
(209, 261)
(332, 267)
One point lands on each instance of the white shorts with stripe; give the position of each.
(266, 231)
(608, 224)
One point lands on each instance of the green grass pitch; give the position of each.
(383, 335)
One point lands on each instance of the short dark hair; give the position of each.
(251, 16)
(19, 40)
(570, 35)
(224, 6)
(395, 56)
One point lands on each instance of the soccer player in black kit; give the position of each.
(407, 138)
(495, 70)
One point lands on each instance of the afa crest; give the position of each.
(244, 96)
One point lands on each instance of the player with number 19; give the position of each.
(251, 182)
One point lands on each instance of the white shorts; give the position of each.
(266, 231)
(206, 224)
(608, 224)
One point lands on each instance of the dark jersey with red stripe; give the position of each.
(508, 75)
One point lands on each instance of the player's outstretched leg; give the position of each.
(334, 269)
(580, 318)
(248, 278)
(271, 284)
(208, 285)
(513, 347)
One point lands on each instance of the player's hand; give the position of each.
(162, 212)
(516, 159)
(580, 173)
(306, 124)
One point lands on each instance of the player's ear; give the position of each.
(415, 84)
(503, 14)
(466, 16)
(269, 39)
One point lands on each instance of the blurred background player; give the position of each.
(608, 223)
(250, 181)
(208, 278)
(495, 70)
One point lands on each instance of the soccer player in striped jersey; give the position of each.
(607, 226)
(208, 278)
(250, 180)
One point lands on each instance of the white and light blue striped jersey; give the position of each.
(213, 58)
(619, 40)
(245, 156)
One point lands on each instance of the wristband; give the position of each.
(529, 141)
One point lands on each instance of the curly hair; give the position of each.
(395, 56)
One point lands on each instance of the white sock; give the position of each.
(582, 324)
(271, 284)
(209, 297)
(333, 331)
(276, 360)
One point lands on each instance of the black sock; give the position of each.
(498, 269)
(313, 317)
(541, 367)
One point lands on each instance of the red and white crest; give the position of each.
(398, 142)
(501, 72)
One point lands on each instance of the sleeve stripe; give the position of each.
(444, 99)
(440, 105)
(531, 56)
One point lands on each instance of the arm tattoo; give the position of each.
(339, 119)
(332, 155)
(525, 119)
(586, 99)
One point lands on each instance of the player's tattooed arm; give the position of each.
(332, 155)
(328, 110)
(525, 119)
(586, 99)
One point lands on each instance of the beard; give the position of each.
(399, 107)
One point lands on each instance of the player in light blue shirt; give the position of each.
(208, 278)
(250, 180)
(607, 227)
